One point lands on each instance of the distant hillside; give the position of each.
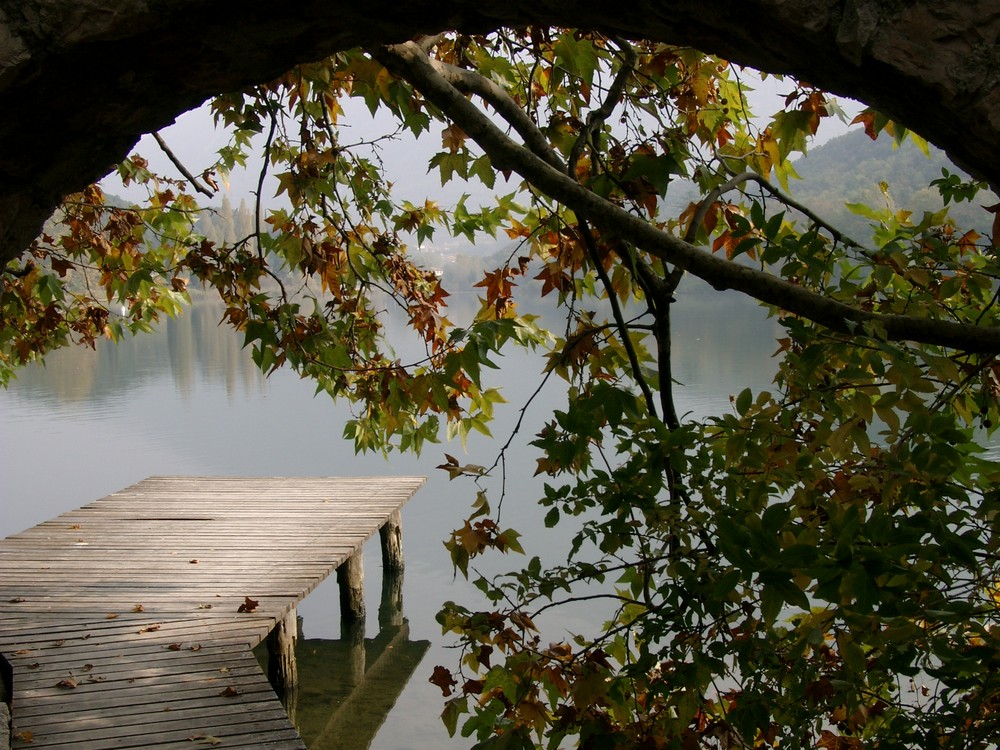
(848, 169)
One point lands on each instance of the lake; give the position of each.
(187, 400)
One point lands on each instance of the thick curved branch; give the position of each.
(409, 62)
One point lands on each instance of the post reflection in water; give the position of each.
(189, 401)
(348, 686)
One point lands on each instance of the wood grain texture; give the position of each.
(122, 618)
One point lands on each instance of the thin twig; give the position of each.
(260, 183)
(180, 166)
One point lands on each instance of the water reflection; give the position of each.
(192, 348)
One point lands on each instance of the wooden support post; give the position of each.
(390, 611)
(351, 578)
(282, 671)
(391, 535)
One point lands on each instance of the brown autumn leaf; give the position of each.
(194, 562)
(111, 615)
(248, 605)
(34, 665)
(174, 646)
(867, 118)
(17, 600)
(830, 741)
(453, 138)
(87, 667)
(69, 683)
(150, 629)
(205, 739)
(138, 608)
(230, 692)
(25, 736)
(443, 678)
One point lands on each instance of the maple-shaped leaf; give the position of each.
(69, 683)
(472, 687)
(452, 138)
(443, 678)
(230, 692)
(248, 605)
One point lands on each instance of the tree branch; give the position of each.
(181, 168)
(410, 63)
(603, 112)
(742, 177)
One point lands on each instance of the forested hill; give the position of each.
(848, 169)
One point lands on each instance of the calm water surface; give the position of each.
(188, 400)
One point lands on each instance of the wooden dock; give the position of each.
(128, 622)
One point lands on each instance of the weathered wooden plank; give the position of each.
(188, 551)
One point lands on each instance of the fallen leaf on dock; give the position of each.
(87, 667)
(230, 692)
(248, 605)
(25, 736)
(111, 615)
(205, 739)
(150, 629)
(69, 682)
(17, 600)
(138, 608)
(174, 647)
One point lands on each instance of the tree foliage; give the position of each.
(815, 567)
